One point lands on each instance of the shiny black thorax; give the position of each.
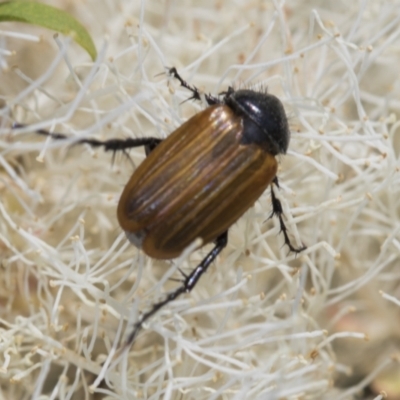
(264, 119)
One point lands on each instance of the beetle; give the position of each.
(201, 179)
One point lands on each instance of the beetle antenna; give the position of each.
(196, 95)
(278, 211)
(188, 284)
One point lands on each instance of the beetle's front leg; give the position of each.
(196, 94)
(113, 145)
(188, 284)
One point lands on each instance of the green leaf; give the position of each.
(48, 17)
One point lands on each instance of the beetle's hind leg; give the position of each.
(188, 283)
(278, 211)
(112, 145)
(196, 94)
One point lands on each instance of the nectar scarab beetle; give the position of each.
(201, 179)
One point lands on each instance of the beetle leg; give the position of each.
(148, 148)
(211, 100)
(278, 211)
(113, 145)
(188, 284)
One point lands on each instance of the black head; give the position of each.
(264, 119)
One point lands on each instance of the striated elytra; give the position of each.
(194, 184)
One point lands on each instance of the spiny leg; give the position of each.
(211, 100)
(112, 145)
(187, 285)
(278, 211)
